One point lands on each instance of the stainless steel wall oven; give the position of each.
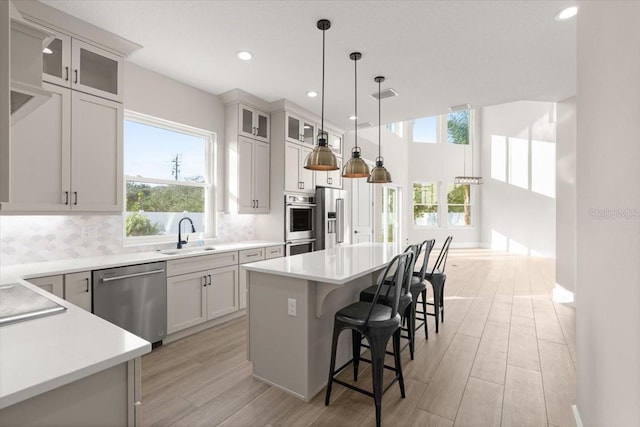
(299, 223)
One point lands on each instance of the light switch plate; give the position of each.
(291, 307)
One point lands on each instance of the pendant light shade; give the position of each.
(322, 158)
(355, 167)
(379, 174)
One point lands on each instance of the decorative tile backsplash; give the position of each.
(25, 239)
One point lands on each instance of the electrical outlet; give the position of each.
(90, 232)
(291, 307)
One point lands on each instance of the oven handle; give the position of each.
(300, 242)
(302, 205)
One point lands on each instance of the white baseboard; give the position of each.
(576, 415)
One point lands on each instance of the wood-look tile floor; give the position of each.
(505, 356)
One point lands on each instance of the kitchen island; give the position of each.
(291, 306)
(69, 368)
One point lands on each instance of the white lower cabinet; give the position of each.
(51, 284)
(246, 256)
(73, 287)
(77, 289)
(203, 294)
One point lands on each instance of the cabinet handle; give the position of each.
(87, 289)
(209, 279)
(204, 278)
(66, 71)
(329, 180)
(76, 75)
(302, 185)
(66, 197)
(75, 197)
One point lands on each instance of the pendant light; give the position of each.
(355, 167)
(322, 157)
(379, 174)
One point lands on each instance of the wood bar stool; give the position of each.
(377, 323)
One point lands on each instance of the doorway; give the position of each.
(389, 224)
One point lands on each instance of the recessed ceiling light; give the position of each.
(244, 55)
(566, 13)
(47, 51)
(352, 117)
(312, 94)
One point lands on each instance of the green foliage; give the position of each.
(425, 199)
(164, 198)
(458, 127)
(460, 195)
(139, 224)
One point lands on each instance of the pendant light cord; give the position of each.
(355, 70)
(379, 120)
(322, 112)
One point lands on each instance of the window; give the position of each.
(167, 171)
(425, 130)
(396, 128)
(459, 205)
(458, 127)
(425, 204)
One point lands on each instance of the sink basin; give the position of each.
(187, 250)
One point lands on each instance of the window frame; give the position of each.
(437, 204)
(209, 186)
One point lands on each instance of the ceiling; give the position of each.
(435, 54)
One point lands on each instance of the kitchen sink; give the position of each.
(192, 250)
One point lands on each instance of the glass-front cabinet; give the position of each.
(70, 62)
(335, 142)
(300, 130)
(253, 123)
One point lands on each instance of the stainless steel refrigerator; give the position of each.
(330, 217)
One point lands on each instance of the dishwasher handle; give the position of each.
(126, 276)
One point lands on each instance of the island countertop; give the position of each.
(337, 266)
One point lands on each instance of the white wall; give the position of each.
(608, 204)
(517, 219)
(566, 195)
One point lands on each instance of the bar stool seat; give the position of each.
(377, 323)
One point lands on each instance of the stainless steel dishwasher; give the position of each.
(133, 297)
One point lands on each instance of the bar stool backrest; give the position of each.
(441, 261)
(427, 247)
(399, 264)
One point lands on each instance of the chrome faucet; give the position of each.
(193, 230)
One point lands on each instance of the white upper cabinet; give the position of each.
(335, 143)
(300, 130)
(332, 179)
(67, 156)
(253, 179)
(253, 123)
(296, 177)
(81, 66)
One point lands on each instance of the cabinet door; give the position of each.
(261, 170)
(96, 154)
(334, 178)
(246, 173)
(77, 289)
(335, 143)
(222, 291)
(96, 71)
(306, 175)
(56, 61)
(294, 129)
(308, 132)
(262, 124)
(292, 167)
(40, 155)
(52, 284)
(246, 121)
(186, 300)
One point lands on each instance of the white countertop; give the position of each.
(337, 266)
(16, 272)
(41, 354)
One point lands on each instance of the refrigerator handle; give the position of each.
(339, 220)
